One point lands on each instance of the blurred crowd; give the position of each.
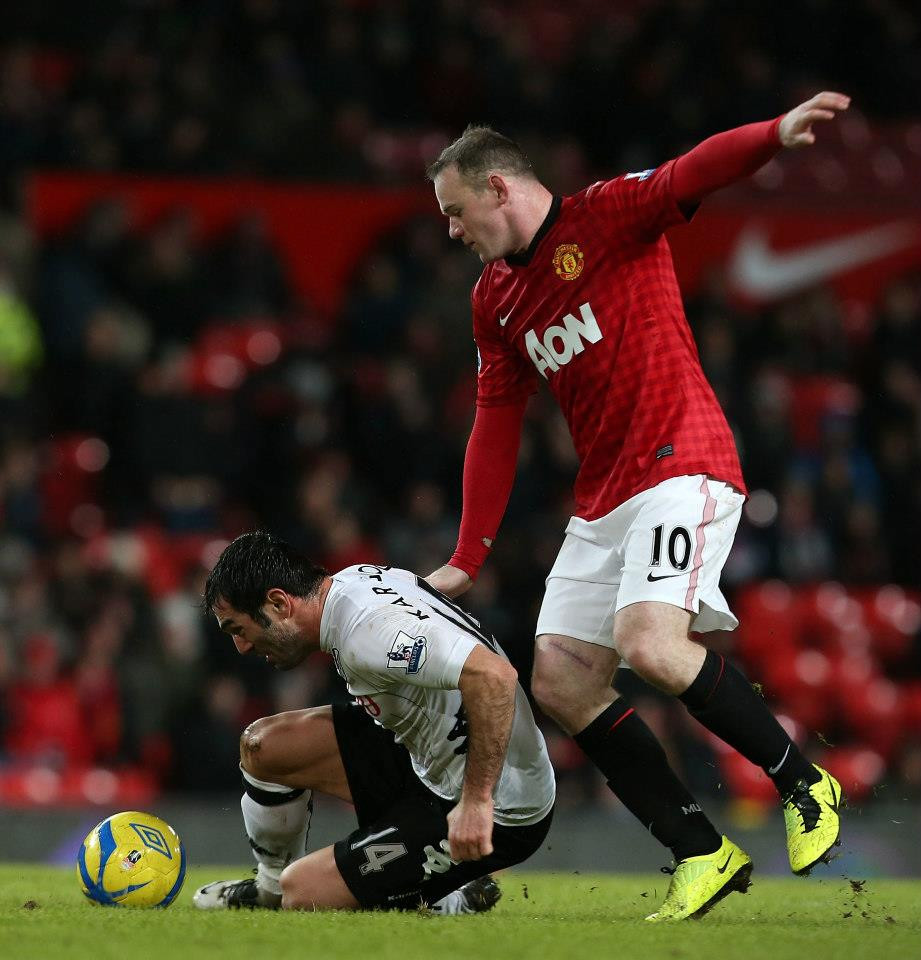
(159, 394)
(356, 89)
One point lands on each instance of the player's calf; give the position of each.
(315, 883)
(652, 637)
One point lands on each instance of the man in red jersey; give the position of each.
(580, 292)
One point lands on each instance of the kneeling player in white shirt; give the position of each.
(439, 753)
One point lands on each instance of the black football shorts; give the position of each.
(397, 857)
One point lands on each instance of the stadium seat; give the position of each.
(769, 623)
(858, 768)
(873, 713)
(893, 617)
(741, 779)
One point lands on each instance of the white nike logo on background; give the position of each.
(761, 272)
(504, 320)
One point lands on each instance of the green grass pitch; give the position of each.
(541, 916)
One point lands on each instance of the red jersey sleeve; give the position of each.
(647, 203)
(642, 205)
(724, 158)
(489, 472)
(503, 375)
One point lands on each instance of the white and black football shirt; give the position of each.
(400, 646)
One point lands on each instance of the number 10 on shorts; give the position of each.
(679, 547)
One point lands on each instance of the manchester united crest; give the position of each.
(568, 261)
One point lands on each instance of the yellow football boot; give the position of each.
(813, 825)
(699, 883)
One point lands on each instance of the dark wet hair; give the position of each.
(478, 151)
(254, 564)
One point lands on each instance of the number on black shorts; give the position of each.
(380, 854)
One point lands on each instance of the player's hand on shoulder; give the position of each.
(470, 826)
(450, 581)
(795, 130)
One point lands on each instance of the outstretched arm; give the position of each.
(489, 472)
(487, 685)
(736, 154)
(795, 129)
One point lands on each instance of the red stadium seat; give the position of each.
(827, 610)
(858, 768)
(802, 683)
(873, 712)
(768, 623)
(742, 780)
(893, 617)
(851, 673)
(911, 708)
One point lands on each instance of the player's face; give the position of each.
(476, 217)
(277, 639)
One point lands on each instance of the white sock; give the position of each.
(277, 832)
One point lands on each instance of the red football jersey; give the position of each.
(593, 307)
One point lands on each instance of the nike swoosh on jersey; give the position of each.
(759, 271)
(665, 576)
(504, 320)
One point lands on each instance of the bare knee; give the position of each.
(265, 745)
(642, 650)
(571, 681)
(295, 893)
(647, 634)
(550, 694)
(653, 640)
(296, 749)
(254, 741)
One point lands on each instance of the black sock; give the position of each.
(626, 751)
(727, 705)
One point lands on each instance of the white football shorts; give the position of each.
(668, 543)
